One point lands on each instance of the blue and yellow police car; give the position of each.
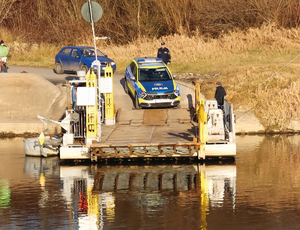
(151, 83)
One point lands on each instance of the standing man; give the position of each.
(220, 94)
(164, 54)
(3, 55)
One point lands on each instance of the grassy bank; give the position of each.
(254, 66)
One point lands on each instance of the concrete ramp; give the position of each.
(154, 116)
(23, 96)
(150, 125)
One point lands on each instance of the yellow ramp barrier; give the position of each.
(91, 110)
(109, 98)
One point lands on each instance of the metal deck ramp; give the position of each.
(148, 133)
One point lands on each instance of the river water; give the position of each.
(260, 190)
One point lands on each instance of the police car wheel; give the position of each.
(136, 102)
(126, 86)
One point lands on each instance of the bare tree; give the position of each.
(5, 9)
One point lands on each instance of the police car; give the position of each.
(151, 83)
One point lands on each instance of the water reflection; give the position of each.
(4, 194)
(93, 194)
(35, 166)
(260, 191)
(271, 174)
(41, 168)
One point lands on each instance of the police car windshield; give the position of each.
(160, 74)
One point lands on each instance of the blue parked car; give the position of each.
(151, 83)
(74, 58)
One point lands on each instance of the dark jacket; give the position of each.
(220, 94)
(164, 54)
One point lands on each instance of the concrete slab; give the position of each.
(247, 122)
(29, 127)
(126, 116)
(179, 114)
(23, 96)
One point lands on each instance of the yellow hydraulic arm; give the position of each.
(109, 98)
(91, 110)
(201, 117)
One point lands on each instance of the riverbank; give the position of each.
(246, 124)
(19, 119)
(258, 67)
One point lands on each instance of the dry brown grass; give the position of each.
(278, 108)
(60, 22)
(253, 65)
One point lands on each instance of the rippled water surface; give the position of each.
(260, 190)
